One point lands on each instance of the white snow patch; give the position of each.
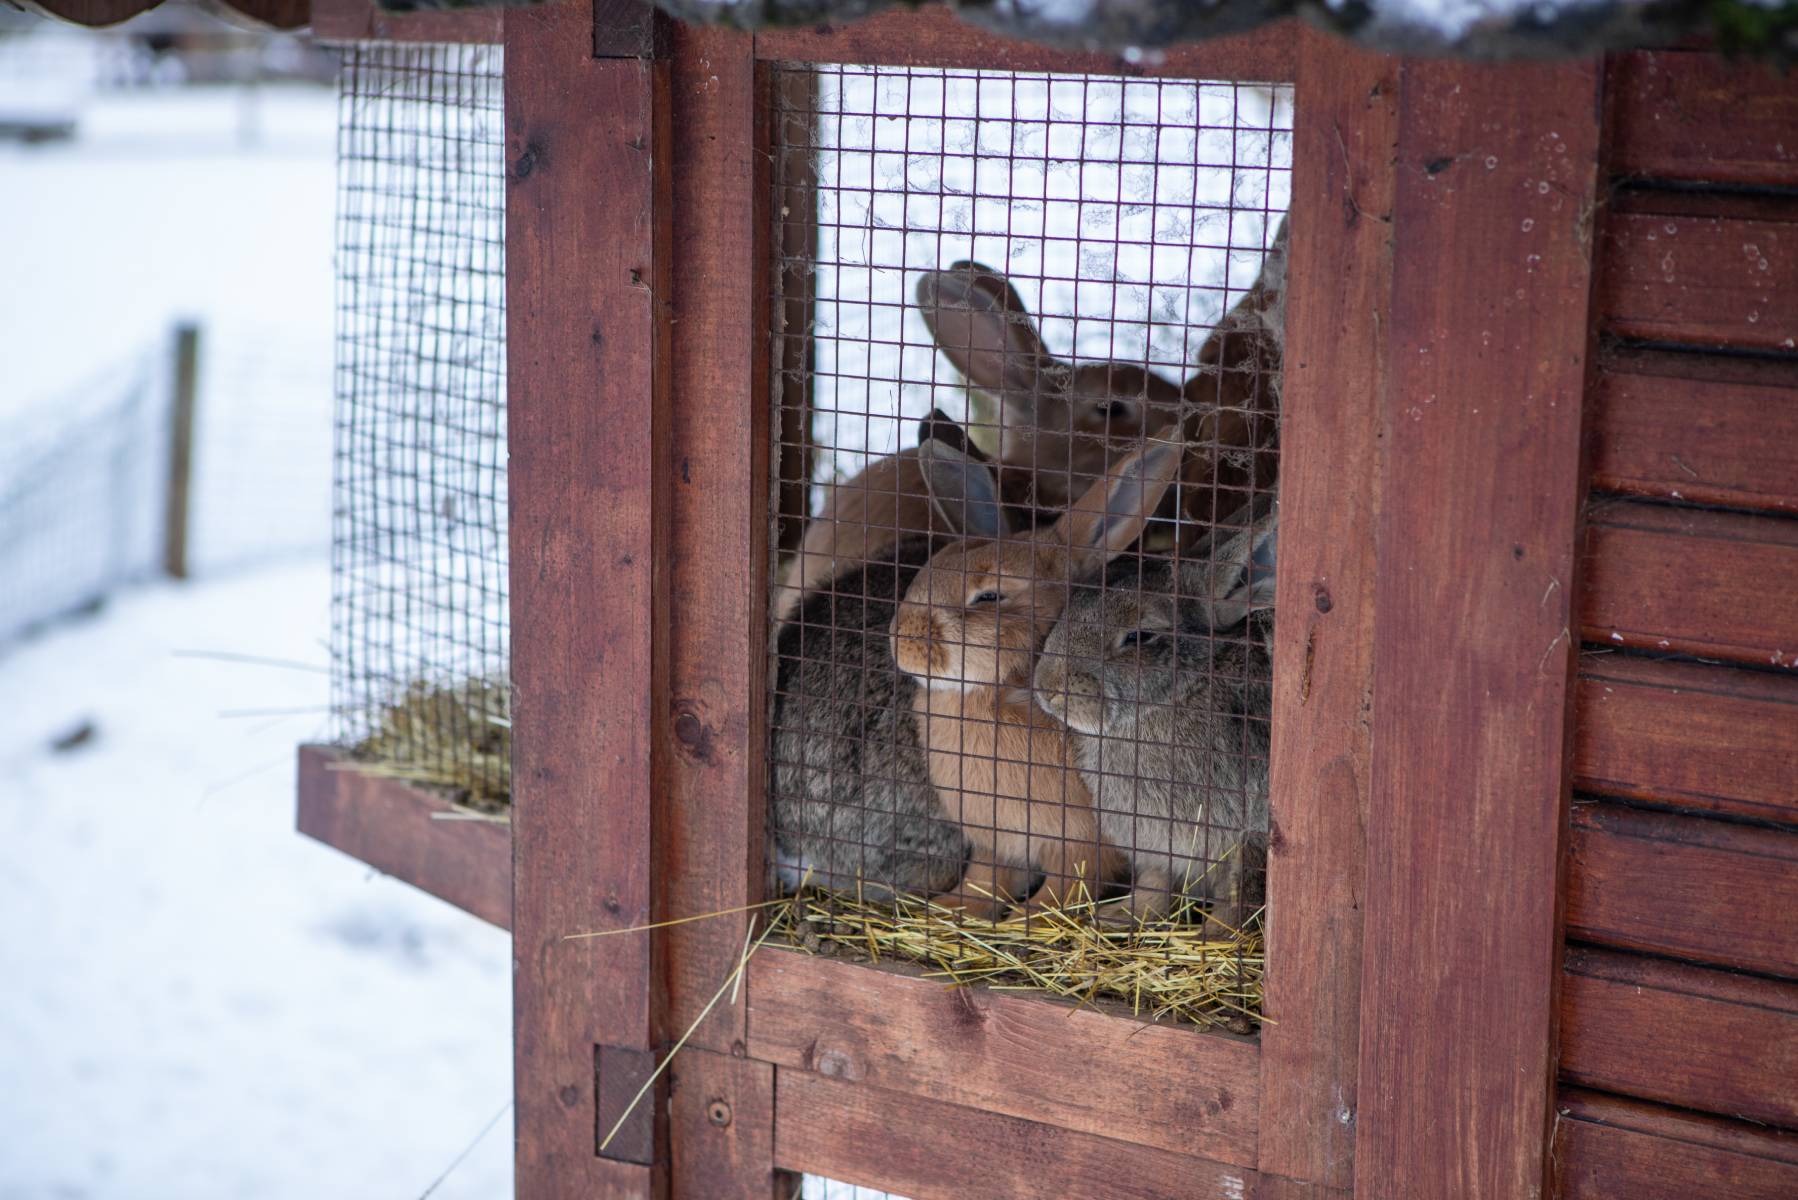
(197, 1000)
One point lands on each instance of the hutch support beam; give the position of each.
(587, 223)
(1476, 640)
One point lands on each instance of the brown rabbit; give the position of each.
(968, 630)
(1063, 424)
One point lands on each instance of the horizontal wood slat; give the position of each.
(1682, 1035)
(1698, 117)
(1723, 441)
(1175, 1089)
(1609, 1147)
(365, 21)
(395, 828)
(1700, 280)
(933, 36)
(1684, 886)
(1689, 735)
(1718, 585)
(931, 1150)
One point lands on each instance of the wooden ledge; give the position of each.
(394, 828)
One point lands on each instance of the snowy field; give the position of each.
(194, 1000)
(197, 1002)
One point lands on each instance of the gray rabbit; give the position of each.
(852, 802)
(1162, 670)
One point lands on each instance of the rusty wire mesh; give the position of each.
(1002, 299)
(419, 629)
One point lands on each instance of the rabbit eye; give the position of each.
(984, 598)
(1137, 637)
(1112, 410)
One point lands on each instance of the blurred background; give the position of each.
(194, 1000)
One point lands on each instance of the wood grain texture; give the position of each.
(1723, 281)
(927, 1149)
(586, 223)
(711, 858)
(723, 1128)
(1337, 310)
(932, 36)
(1682, 1035)
(1692, 887)
(1474, 650)
(1701, 117)
(1713, 584)
(1609, 1146)
(395, 829)
(365, 21)
(1706, 441)
(93, 13)
(1154, 1085)
(1689, 735)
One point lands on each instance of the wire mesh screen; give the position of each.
(1027, 336)
(419, 654)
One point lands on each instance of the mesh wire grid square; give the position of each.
(419, 619)
(1026, 350)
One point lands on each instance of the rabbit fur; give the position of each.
(1163, 672)
(968, 631)
(1063, 423)
(852, 798)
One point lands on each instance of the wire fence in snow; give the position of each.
(85, 476)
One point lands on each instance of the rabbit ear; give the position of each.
(1237, 577)
(962, 490)
(981, 326)
(938, 426)
(1112, 513)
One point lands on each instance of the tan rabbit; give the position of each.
(1063, 424)
(968, 630)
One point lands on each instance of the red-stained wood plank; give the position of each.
(1692, 887)
(1682, 1035)
(1713, 584)
(1337, 310)
(93, 13)
(1707, 441)
(711, 859)
(365, 21)
(586, 229)
(933, 36)
(1474, 650)
(1689, 735)
(1701, 118)
(1610, 1146)
(722, 1114)
(928, 1149)
(1155, 1085)
(1693, 279)
(399, 830)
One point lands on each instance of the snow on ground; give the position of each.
(212, 203)
(196, 1001)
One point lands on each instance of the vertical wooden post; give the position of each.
(587, 279)
(709, 856)
(1346, 128)
(1475, 644)
(181, 451)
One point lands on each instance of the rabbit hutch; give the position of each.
(1026, 611)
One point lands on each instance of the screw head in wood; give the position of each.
(718, 1113)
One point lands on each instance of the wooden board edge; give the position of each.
(398, 830)
(934, 36)
(364, 21)
(927, 1149)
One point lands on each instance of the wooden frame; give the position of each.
(1443, 413)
